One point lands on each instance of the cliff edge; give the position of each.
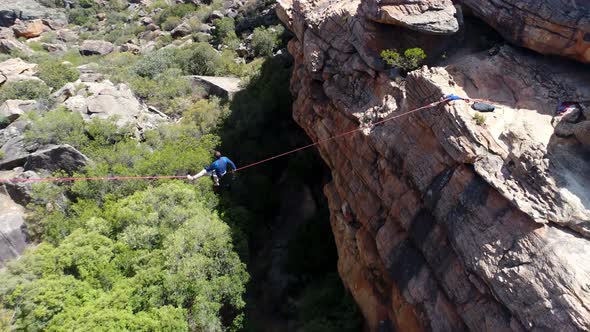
(442, 222)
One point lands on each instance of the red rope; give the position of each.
(159, 177)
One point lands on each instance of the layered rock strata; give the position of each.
(444, 222)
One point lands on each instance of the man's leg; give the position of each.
(215, 179)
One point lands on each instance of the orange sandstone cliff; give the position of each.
(444, 223)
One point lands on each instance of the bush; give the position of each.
(199, 59)
(410, 60)
(155, 63)
(264, 40)
(225, 29)
(56, 74)
(24, 90)
(480, 120)
(179, 11)
(82, 16)
(171, 23)
(56, 127)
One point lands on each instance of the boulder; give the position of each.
(8, 45)
(182, 30)
(104, 100)
(146, 20)
(224, 87)
(67, 35)
(96, 47)
(549, 27)
(12, 236)
(131, 48)
(55, 158)
(26, 10)
(215, 15)
(13, 109)
(19, 192)
(6, 33)
(16, 69)
(427, 16)
(54, 48)
(29, 29)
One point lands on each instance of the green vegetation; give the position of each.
(25, 90)
(152, 261)
(265, 40)
(56, 127)
(55, 74)
(410, 60)
(480, 120)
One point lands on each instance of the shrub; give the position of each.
(24, 90)
(264, 40)
(480, 120)
(199, 59)
(171, 23)
(56, 127)
(56, 74)
(180, 11)
(206, 114)
(2, 154)
(224, 29)
(82, 16)
(155, 63)
(410, 60)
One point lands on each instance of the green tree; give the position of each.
(199, 59)
(410, 60)
(56, 127)
(265, 40)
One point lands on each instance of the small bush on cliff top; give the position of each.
(410, 60)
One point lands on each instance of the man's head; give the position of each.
(217, 154)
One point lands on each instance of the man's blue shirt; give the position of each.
(220, 166)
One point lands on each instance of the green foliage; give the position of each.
(155, 63)
(153, 261)
(163, 89)
(56, 127)
(410, 60)
(55, 74)
(2, 155)
(480, 120)
(224, 30)
(82, 16)
(206, 114)
(199, 59)
(179, 11)
(171, 22)
(265, 40)
(24, 90)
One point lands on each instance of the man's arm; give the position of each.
(231, 164)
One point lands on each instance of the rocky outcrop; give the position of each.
(96, 47)
(11, 110)
(431, 16)
(11, 10)
(15, 69)
(549, 27)
(105, 100)
(29, 29)
(12, 237)
(55, 158)
(442, 223)
(224, 87)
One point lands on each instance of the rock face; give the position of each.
(442, 224)
(12, 237)
(11, 10)
(431, 16)
(548, 27)
(60, 157)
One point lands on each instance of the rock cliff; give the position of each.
(442, 222)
